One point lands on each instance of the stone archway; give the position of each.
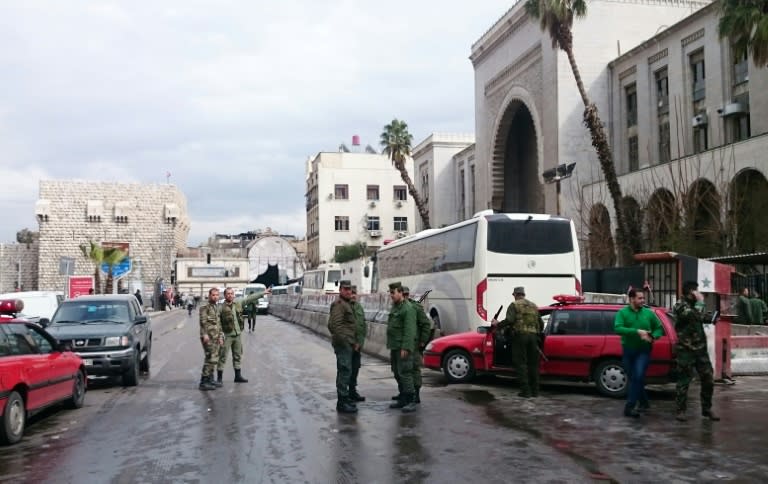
(602, 252)
(702, 219)
(748, 214)
(662, 220)
(515, 167)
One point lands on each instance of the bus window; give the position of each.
(531, 237)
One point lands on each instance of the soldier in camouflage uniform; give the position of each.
(211, 337)
(424, 329)
(692, 351)
(402, 334)
(526, 324)
(232, 325)
(361, 329)
(343, 328)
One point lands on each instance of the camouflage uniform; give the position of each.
(360, 329)
(210, 325)
(232, 325)
(343, 328)
(402, 332)
(692, 353)
(424, 330)
(526, 324)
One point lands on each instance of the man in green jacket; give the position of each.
(343, 328)
(638, 327)
(401, 341)
(233, 325)
(743, 308)
(424, 326)
(758, 307)
(361, 329)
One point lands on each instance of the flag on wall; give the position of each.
(714, 277)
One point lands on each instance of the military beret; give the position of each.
(345, 284)
(519, 290)
(406, 290)
(395, 285)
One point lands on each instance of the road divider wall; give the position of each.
(749, 350)
(312, 313)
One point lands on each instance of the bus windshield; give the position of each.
(530, 237)
(334, 276)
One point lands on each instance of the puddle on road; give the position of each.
(478, 397)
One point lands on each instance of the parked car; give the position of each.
(110, 332)
(580, 345)
(36, 372)
(37, 304)
(262, 305)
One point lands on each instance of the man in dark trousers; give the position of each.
(343, 328)
(137, 295)
(402, 335)
(526, 323)
(360, 330)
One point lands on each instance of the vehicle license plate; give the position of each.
(88, 362)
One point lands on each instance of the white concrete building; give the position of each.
(354, 198)
(436, 177)
(528, 112)
(196, 276)
(465, 174)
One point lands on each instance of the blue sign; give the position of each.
(120, 269)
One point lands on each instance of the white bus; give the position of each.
(473, 266)
(291, 289)
(323, 280)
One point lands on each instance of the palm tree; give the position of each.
(745, 23)
(556, 18)
(112, 257)
(396, 141)
(95, 253)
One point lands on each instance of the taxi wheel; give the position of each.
(131, 377)
(611, 379)
(458, 366)
(14, 419)
(78, 391)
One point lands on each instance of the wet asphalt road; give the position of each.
(282, 427)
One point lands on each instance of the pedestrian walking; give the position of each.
(137, 295)
(402, 334)
(232, 325)
(189, 302)
(743, 308)
(211, 339)
(251, 310)
(424, 331)
(361, 328)
(692, 351)
(527, 326)
(638, 327)
(758, 308)
(343, 328)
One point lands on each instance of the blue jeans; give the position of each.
(635, 364)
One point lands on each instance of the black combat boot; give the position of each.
(239, 377)
(710, 415)
(400, 402)
(219, 378)
(417, 395)
(206, 384)
(397, 397)
(343, 405)
(354, 396)
(409, 403)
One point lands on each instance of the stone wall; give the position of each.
(10, 256)
(152, 218)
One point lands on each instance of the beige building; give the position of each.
(354, 198)
(195, 276)
(151, 219)
(18, 267)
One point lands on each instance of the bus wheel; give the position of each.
(435, 319)
(458, 367)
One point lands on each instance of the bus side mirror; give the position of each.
(367, 271)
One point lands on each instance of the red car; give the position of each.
(580, 345)
(35, 372)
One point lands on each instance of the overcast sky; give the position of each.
(228, 96)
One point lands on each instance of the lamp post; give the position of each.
(555, 175)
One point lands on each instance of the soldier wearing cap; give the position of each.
(402, 333)
(526, 324)
(424, 330)
(361, 329)
(343, 328)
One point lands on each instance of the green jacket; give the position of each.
(232, 322)
(209, 321)
(689, 324)
(342, 323)
(402, 329)
(423, 323)
(362, 326)
(757, 307)
(628, 321)
(743, 311)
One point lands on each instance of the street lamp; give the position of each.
(554, 175)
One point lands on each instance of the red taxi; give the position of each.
(35, 372)
(580, 345)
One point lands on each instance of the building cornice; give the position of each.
(510, 22)
(442, 140)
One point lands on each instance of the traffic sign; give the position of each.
(120, 269)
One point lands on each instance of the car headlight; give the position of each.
(117, 341)
(429, 346)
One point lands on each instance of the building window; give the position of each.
(698, 76)
(401, 224)
(341, 224)
(462, 195)
(472, 188)
(634, 154)
(424, 184)
(401, 193)
(740, 68)
(739, 127)
(341, 192)
(631, 96)
(664, 144)
(662, 91)
(700, 139)
(373, 192)
(373, 223)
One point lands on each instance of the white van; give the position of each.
(37, 304)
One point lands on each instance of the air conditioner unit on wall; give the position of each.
(400, 235)
(372, 204)
(374, 233)
(399, 204)
(732, 108)
(700, 120)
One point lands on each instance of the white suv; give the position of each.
(37, 304)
